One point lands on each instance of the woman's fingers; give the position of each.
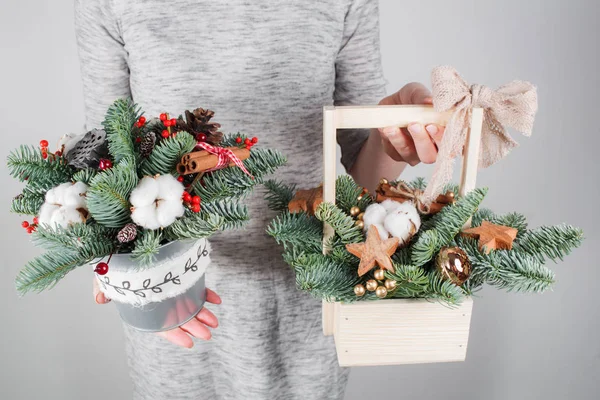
(436, 132)
(423, 142)
(99, 297)
(212, 297)
(197, 329)
(207, 317)
(178, 337)
(397, 141)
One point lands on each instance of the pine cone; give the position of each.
(198, 121)
(147, 144)
(127, 234)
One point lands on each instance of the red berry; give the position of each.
(142, 120)
(254, 140)
(248, 147)
(25, 224)
(101, 268)
(30, 229)
(104, 164)
(247, 141)
(36, 220)
(165, 134)
(173, 122)
(196, 200)
(163, 117)
(238, 140)
(44, 155)
(138, 139)
(167, 123)
(201, 137)
(58, 153)
(196, 208)
(43, 143)
(187, 197)
(180, 178)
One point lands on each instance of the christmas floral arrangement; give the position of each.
(129, 189)
(390, 245)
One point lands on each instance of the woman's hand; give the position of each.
(182, 336)
(417, 143)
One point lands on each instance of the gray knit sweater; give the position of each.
(266, 67)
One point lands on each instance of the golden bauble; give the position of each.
(381, 292)
(450, 194)
(390, 284)
(383, 181)
(354, 211)
(453, 264)
(359, 290)
(379, 274)
(361, 216)
(360, 224)
(372, 285)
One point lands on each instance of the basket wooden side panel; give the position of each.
(403, 331)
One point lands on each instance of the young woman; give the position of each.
(267, 68)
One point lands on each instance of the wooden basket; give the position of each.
(398, 331)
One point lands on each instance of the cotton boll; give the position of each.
(374, 214)
(391, 205)
(412, 213)
(66, 216)
(168, 210)
(46, 213)
(75, 196)
(145, 192)
(169, 188)
(145, 217)
(56, 195)
(383, 233)
(398, 225)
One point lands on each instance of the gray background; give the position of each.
(60, 345)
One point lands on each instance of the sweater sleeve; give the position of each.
(359, 75)
(102, 57)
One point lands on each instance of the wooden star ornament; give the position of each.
(306, 200)
(492, 237)
(374, 251)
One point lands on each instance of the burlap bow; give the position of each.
(512, 105)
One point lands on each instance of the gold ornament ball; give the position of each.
(383, 181)
(372, 285)
(360, 224)
(381, 292)
(359, 290)
(390, 284)
(354, 211)
(379, 274)
(453, 264)
(361, 216)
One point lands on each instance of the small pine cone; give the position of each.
(199, 121)
(147, 144)
(127, 234)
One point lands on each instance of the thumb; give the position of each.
(99, 297)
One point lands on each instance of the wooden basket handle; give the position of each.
(345, 117)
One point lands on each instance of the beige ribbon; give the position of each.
(512, 105)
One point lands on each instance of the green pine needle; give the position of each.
(166, 155)
(234, 214)
(45, 271)
(147, 246)
(85, 175)
(279, 195)
(553, 242)
(347, 193)
(118, 124)
(343, 225)
(297, 229)
(27, 163)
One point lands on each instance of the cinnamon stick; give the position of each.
(199, 161)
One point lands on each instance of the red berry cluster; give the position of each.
(30, 227)
(44, 147)
(141, 122)
(104, 164)
(193, 202)
(168, 123)
(247, 142)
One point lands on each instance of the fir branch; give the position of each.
(279, 195)
(229, 139)
(443, 290)
(514, 220)
(234, 214)
(233, 182)
(85, 175)
(195, 226)
(426, 246)
(27, 204)
(147, 246)
(89, 240)
(166, 155)
(347, 192)
(108, 195)
(26, 163)
(298, 230)
(118, 124)
(553, 242)
(343, 225)
(43, 272)
(418, 183)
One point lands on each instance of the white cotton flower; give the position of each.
(156, 201)
(393, 218)
(64, 205)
